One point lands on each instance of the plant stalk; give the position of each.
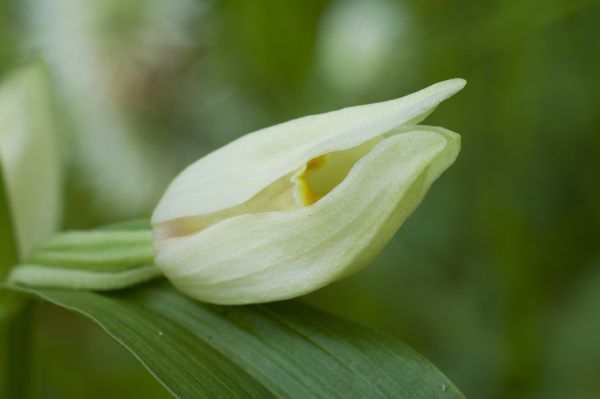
(16, 315)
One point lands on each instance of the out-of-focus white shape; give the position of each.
(104, 54)
(357, 40)
(29, 152)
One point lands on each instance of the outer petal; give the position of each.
(236, 172)
(278, 255)
(30, 155)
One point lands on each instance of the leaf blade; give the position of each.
(284, 349)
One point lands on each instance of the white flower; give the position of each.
(30, 155)
(290, 208)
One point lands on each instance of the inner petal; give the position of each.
(320, 175)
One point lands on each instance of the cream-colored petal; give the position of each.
(277, 255)
(30, 155)
(236, 172)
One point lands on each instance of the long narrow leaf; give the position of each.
(284, 350)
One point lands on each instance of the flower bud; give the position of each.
(291, 208)
(29, 152)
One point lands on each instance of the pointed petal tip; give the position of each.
(457, 83)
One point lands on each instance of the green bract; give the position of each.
(290, 208)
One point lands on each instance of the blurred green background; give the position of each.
(496, 277)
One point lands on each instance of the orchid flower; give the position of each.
(291, 208)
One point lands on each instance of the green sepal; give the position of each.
(107, 258)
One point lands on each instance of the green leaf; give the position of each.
(284, 349)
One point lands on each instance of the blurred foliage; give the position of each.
(495, 278)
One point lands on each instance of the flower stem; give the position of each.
(16, 336)
(16, 315)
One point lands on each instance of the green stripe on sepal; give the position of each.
(107, 258)
(44, 276)
(102, 250)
